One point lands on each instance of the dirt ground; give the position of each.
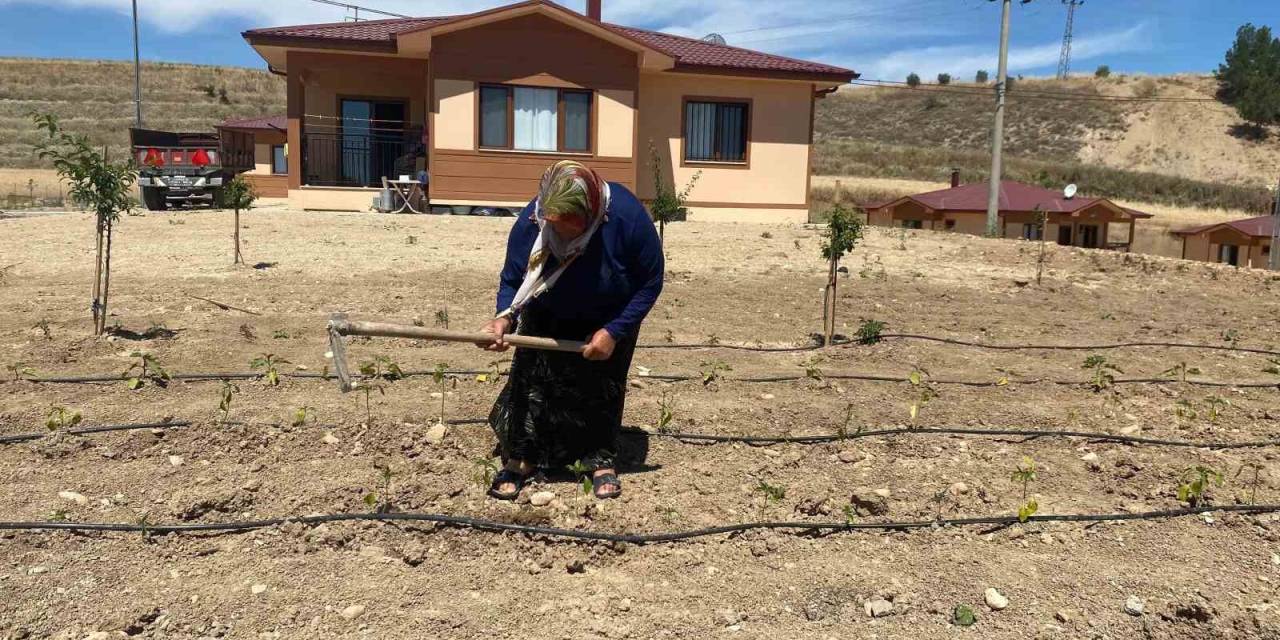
(1197, 577)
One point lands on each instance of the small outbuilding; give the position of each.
(270, 173)
(1077, 221)
(1242, 243)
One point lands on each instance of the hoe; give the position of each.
(340, 326)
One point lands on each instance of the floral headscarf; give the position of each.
(568, 188)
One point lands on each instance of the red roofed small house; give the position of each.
(270, 173)
(487, 100)
(1076, 221)
(1243, 243)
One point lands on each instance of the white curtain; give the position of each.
(535, 119)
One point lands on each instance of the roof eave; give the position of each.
(836, 77)
(265, 39)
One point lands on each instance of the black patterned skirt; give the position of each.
(559, 408)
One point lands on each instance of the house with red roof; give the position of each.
(1242, 243)
(270, 173)
(1073, 221)
(484, 102)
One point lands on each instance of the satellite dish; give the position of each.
(1069, 192)
(713, 38)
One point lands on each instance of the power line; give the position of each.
(1064, 58)
(1018, 91)
(357, 9)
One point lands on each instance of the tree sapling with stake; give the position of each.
(438, 375)
(844, 229)
(668, 205)
(377, 373)
(237, 194)
(104, 187)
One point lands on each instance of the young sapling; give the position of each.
(225, 395)
(1254, 482)
(1025, 473)
(922, 390)
(146, 369)
(869, 331)
(60, 418)
(1103, 372)
(381, 502)
(268, 363)
(20, 371)
(1195, 481)
(1179, 372)
(713, 370)
(301, 415)
(666, 413)
(442, 318)
(438, 375)
(580, 470)
(485, 470)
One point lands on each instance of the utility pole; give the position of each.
(1064, 58)
(997, 129)
(137, 69)
(1275, 232)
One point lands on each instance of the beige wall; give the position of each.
(974, 223)
(454, 115)
(323, 86)
(616, 123)
(1196, 247)
(332, 199)
(779, 139)
(261, 159)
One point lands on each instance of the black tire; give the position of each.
(153, 198)
(217, 202)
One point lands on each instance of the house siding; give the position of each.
(775, 176)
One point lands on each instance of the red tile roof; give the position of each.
(279, 123)
(689, 53)
(1014, 196)
(1259, 227)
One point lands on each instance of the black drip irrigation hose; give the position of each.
(481, 524)
(27, 437)
(1030, 434)
(868, 377)
(967, 343)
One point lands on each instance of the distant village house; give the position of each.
(1077, 221)
(1242, 243)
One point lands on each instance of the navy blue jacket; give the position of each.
(612, 285)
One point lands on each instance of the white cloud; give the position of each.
(963, 60)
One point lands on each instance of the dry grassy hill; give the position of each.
(96, 98)
(1175, 153)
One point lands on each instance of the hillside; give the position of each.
(1171, 152)
(96, 98)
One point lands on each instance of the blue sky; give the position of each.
(879, 38)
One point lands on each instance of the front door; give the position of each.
(372, 139)
(1064, 235)
(1089, 235)
(1229, 254)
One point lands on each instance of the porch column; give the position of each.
(1129, 245)
(296, 107)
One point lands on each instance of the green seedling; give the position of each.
(438, 375)
(381, 502)
(1232, 336)
(1254, 482)
(923, 391)
(61, 418)
(1025, 473)
(442, 318)
(146, 369)
(268, 363)
(869, 331)
(494, 375)
(963, 616)
(850, 513)
(578, 469)
(772, 493)
(666, 413)
(20, 371)
(225, 395)
(842, 431)
(1215, 405)
(411, 239)
(1103, 372)
(58, 515)
(485, 470)
(1179, 372)
(811, 370)
(713, 370)
(1195, 482)
(377, 372)
(280, 334)
(1185, 409)
(301, 415)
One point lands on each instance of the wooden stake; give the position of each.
(238, 258)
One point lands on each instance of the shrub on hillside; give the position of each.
(981, 76)
(944, 78)
(1103, 71)
(913, 80)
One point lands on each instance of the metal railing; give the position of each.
(361, 157)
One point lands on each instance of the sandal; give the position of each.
(508, 476)
(603, 479)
